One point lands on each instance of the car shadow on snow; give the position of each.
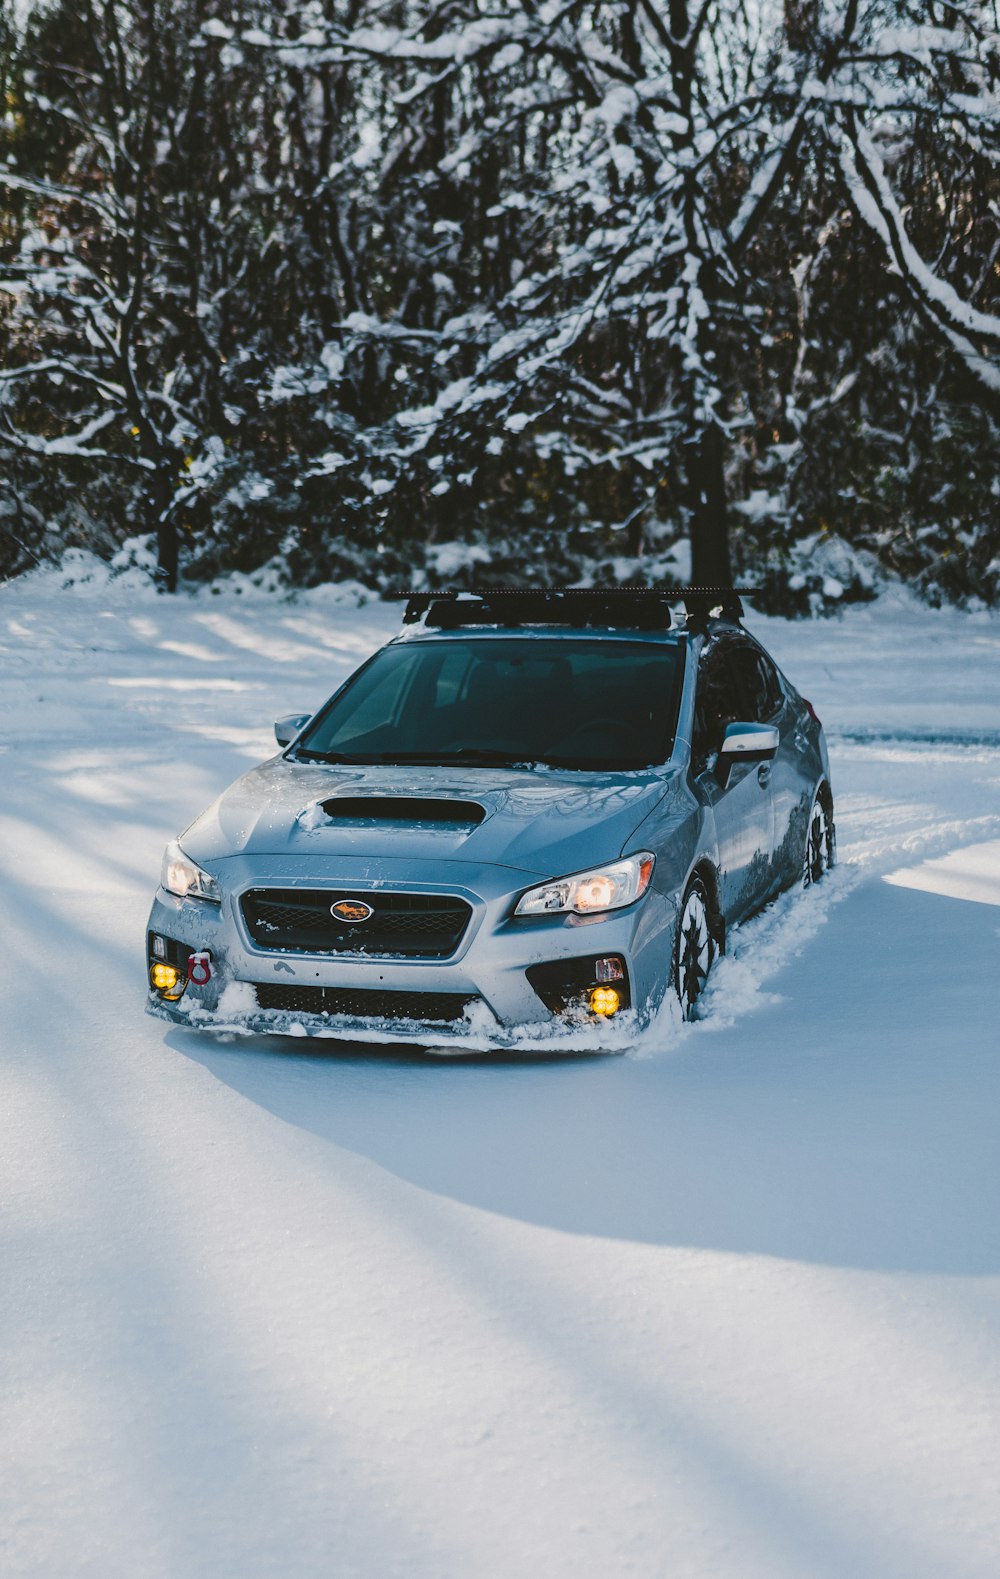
(849, 1121)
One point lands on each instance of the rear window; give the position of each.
(581, 704)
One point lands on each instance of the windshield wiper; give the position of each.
(470, 756)
(588, 765)
(303, 755)
(467, 756)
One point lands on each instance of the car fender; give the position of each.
(680, 831)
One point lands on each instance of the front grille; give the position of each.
(298, 921)
(364, 1003)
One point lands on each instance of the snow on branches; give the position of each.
(337, 279)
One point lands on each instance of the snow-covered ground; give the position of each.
(726, 1306)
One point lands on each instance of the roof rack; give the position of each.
(627, 607)
(700, 602)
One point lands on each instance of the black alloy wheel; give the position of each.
(820, 851)
(695, 947)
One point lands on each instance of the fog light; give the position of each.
(604, 1000)
(610, 969)
(167, 980)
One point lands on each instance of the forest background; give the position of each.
(457, 291)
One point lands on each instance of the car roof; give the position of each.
(528, 633)
(614, 613)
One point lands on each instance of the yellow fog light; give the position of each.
(166, 979)
(604, 1000)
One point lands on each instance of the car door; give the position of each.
(740, 798)
(764, 703)
(792, 784)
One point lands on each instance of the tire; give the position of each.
(695, 947)
(820, 851)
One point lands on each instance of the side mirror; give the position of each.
(285, 729)
(748, 743)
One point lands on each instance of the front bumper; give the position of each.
(489, 970)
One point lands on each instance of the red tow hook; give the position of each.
(200, 968)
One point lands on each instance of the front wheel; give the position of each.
(694, 949)
(821, 845)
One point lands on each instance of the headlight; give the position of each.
(180, 876)
(605, 888)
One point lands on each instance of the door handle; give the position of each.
(764, 773)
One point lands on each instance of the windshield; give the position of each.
(510, 701)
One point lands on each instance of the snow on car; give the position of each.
(530, 809)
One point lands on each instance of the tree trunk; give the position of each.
(161, 495)
(166, 556)
(706, 481)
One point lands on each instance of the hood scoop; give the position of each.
(404, 811)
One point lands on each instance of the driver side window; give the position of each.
(757, 683)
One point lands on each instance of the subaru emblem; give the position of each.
(352, 910)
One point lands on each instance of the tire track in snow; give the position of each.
(761, 947)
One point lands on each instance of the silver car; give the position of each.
(530, 811)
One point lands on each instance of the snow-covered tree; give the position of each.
(566, 280)
(632, 166)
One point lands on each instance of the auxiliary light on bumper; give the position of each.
(173, 965)
(167, 980)
(604, 1001)
(581, 985)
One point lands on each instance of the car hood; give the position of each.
(544, 821)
